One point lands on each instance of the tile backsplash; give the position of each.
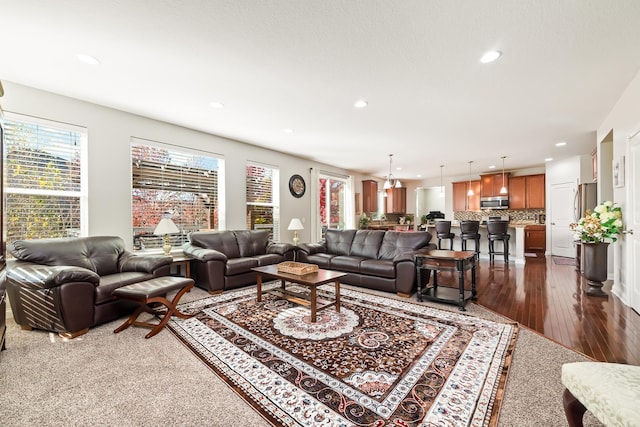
(514, 215)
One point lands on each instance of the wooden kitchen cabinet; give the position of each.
(527, 192)
(462, 202)
(535, 191)
(517, 193)
(491, 184)
(396, 201)
(369, 196)
(535, 238)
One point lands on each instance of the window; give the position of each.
(335, 207)
(173, 182)
(263, 199)
(45, 188)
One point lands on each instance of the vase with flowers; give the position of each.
(595, 231)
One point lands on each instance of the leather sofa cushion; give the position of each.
(396, 243)
(97, 253)
(346, 263)
(366, 243)
(320, 259)
(268, 259)
(380, 268)
(339, 241)
(111, 282)
(251, 242)
(240, 265)
(224, 241)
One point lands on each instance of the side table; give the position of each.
(442, 260)
(183, 263)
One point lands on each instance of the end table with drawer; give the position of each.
(442, 260)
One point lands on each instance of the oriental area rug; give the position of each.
(378, 362)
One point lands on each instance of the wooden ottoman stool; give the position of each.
(154, 291)
(610, 391)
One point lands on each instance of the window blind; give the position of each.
(262, 199)
(43, 178)
(174, 183)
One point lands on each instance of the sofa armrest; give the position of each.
(39, 276)
(142, 263)
(203, 254)
(312, 248)
(411, 255)
(279, 248)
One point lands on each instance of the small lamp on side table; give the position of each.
(295, 225)
(164, 228)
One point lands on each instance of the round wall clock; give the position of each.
(297, 186)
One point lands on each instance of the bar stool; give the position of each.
(497, 230)
(443, 232)
(469, 231)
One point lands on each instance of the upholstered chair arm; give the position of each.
(203, 254)
(312, 248)
(142, 263)
(411, 255)
(38, 276)
(279, 248)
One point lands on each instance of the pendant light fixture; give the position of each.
(391, 182)
(470, 192)
(441, 186)
(503, 190)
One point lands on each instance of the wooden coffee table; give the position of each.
(311, 280)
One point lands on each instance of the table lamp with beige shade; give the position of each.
(295, 225)
(165, 227)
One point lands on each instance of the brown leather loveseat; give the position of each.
(65, 285)
(375, 259)
(223, 260)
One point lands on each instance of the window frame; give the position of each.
(81, 194)
(275, 198)
(182, 154)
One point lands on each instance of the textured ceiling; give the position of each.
(302, 64)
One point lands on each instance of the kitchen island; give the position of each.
(516, 241)
(390, 226)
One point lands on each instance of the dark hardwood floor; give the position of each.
(548, 297)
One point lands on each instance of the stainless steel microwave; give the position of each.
(498, 202)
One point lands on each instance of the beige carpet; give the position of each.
(107, 379)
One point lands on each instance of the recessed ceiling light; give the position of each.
(361, 103)
(287, 130)
(216, 104)
(490, 56)
(492, 167)
(548, 159)
(561, 144)
(87, 59)
(418, 176)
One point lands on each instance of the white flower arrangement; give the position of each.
(605, 222)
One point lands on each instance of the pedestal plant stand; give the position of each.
(595, 267)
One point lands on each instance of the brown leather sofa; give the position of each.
(375, 259)
(65, 285)
(223, 260)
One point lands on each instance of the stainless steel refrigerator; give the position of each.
(586, 199)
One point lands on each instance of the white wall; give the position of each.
(109, 160)
(623, 120)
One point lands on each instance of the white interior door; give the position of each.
(561, 209)
(632, 224)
